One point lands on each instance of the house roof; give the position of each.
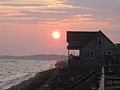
(77, 39)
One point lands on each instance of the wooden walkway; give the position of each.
(103, 82)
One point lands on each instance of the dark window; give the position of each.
(92, 54)
(99, 41)
(107, 53)
(104, 53)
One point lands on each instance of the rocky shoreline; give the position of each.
(40, 80)
(59, 78)
(35, 82)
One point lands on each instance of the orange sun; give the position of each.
(56, 35)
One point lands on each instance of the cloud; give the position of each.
(36, 10)
(61, 10)
(40, 11)
(101, 9)
(49, 11)
(12, 14)
(31, 1)
(56, 6)
(78, 20)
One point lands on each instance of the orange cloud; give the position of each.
(83, 15)
(17, 18)
(12, 14)
(33, 2)
(48, 11)
(59, 6)
(9, 11)
(78, 19)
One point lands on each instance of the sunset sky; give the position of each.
(26, 26)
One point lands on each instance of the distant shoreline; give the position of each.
(37, 57)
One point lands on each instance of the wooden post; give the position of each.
(68, 54)
(102, 81)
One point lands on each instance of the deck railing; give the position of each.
(83, 78)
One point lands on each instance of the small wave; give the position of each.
(17, 80)
(9, 61)
(1, 88)
(13, 72)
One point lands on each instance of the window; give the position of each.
(107, 53)
(104, 53)
(99, 41)
(74, 52)
(92, 54)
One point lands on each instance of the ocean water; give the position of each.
(14, 71)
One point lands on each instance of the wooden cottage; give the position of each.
(92, 46)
